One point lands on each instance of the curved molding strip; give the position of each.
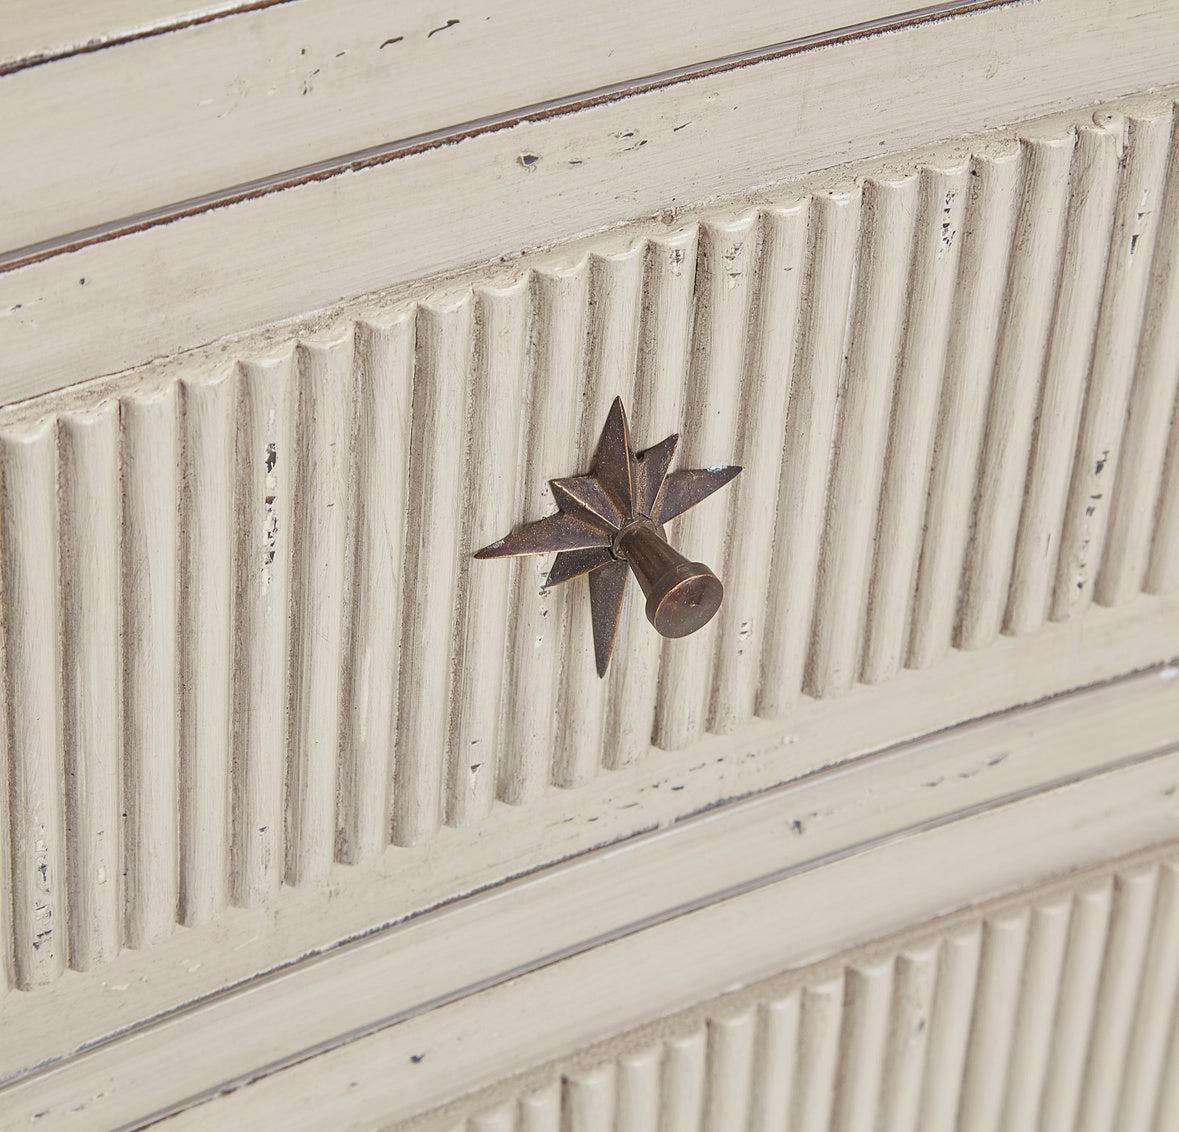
(412, 1016)
(1052, 1011)
(245, 650)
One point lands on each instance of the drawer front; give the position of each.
(252, 666)
(274, 739)
(1023, 1013)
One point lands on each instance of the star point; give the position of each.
(626, 493)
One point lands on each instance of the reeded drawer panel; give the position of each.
(259, 698)
(1057, 1010)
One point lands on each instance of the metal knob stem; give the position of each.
(682, 596)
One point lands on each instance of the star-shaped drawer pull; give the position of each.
(611, 521)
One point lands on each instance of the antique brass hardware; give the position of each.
(611, 521)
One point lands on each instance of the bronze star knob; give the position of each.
(612, 520)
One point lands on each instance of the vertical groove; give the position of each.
(681, 1106)
(908, 1039)
(262, 558)
(938, 239)
(1152, 401)
(37, 849)
(988, 1055)
(497, 403)
(765, 394)
(317, 604)
(638, 1090)
(150, 770)
(724, 284)
(383, 393)
(882, 286)
(534, 656)
(949, 1030)
(1094, 179)
(1135, 227)
(88, 489)
(437, 453)
(818, 1056)
(205, 634)
(775, 1059)
(612, 339)
(1158, 1002)
(806, 459)
(1166, 1115)
(1075, 1007)
(588, 1102)
(1036, 1002)
(8, 882)
(978, 298)
(661, 369)
(499, 1119)
(1163, 571)
(1030, 301)
(541, 1111)
(1117, 996)
(730, 1066)
(865, 1034)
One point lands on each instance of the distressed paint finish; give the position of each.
(191, 278)
(812, 1051)
(580, 950)
(904, 347)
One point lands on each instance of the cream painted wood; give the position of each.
(58, 1019)
(1044, 788)
(373, 1080)
(1137, 218)
(848, 1018)
(197, 277)
(247, 96)
(357, 440)
(295, 797)
(35, 31)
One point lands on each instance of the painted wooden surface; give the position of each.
(109, 302)
(774, 881)
(863, 1042)
(239, 97)
(372, 450)
(389, 1074)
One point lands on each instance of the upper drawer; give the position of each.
(104, 300)
(137, 119)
